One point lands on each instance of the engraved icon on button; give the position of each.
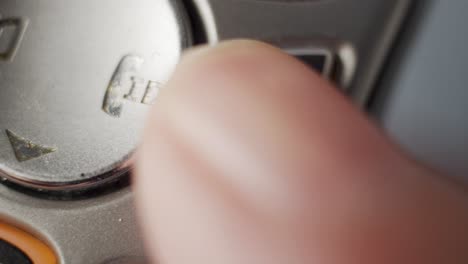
(126, 84)
(11, 33)
(24, 149)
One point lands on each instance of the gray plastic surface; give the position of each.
(423, 98)
(369, 26)
(89, 231)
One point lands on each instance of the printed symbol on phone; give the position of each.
(142, 91)
(25, 149)
(12, 31)
(126, 84)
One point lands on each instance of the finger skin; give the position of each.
(250, 157)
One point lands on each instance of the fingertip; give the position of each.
(246, 146)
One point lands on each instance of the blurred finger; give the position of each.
(250, 157)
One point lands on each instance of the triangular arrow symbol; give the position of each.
(25, 149)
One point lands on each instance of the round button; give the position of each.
(76, 81)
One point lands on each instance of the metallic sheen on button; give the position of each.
(76, 81)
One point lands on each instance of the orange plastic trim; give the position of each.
(36, 250)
